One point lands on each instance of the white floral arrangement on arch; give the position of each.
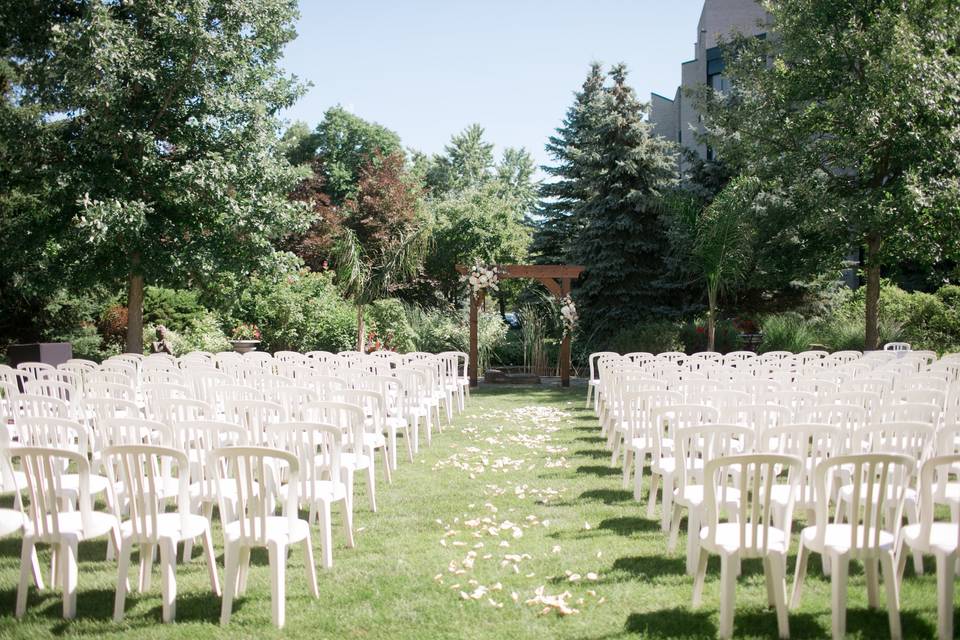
(482, 277)
(568, 314)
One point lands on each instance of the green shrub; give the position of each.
(926, 321)
(652, 337)
(73, 318)
(842, 335)
(510, 351)
(176, 309)
(299, 312)
(203, 334)
(693, 337)
(389, 319)
(787, 332)
(438, 330)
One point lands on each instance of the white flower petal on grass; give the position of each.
(592, 576)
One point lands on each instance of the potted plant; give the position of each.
(245, 337)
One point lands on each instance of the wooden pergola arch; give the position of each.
(556, 278)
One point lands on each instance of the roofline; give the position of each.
(654, 93)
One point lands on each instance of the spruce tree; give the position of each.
(560, 195)
(621, 241)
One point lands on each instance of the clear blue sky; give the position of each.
(429, 68)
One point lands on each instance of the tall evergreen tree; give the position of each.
(571, 146)
(622, 242)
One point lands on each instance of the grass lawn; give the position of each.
(516, 496)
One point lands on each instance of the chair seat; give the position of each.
(11, 521)
(640, 444)
(664, 465)
(780, 494)
(169, 527)
(278, 528)
(728, 538)
(693, 496)
(837, 538)
(321, 490)
(943, 537)
(71, 524)
(354, 461)
(70, 484)
(374, 440)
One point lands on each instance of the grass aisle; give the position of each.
(511, 525)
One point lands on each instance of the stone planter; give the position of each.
(244, 346)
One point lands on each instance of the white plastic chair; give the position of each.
(869, 535)
(695, 446)
(939, 539)
(49, 523)
(138, 469)
(255, 525)
(663, 466)
(752, 534)
(322, 483)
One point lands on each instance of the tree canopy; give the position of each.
(853, 109)
(153, 131)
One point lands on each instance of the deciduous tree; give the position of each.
(855, 107)
(152, 132)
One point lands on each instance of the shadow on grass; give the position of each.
(598, 470)
(630, 568)
(672, 623)
(590, 439)
(592, 453)
(628, 525)
(607, 496)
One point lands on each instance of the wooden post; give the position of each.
(565, 345)
(475, 301)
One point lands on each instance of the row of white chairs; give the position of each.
(857, 441)
(156, 434)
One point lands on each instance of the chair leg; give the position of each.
(693, 538)
(372, 484)
(870, 567)
(326, 535)
(667, 501)
(27, 550)
(68, 569)
(779, 579)
(146, 567)
(348, 523)
(627, 460)
(893, 594)
(35, 568)
(211, 561)
(768, 581)
(393, 449)
(728, 585)
(674, 528)
(386, 465)
(278, 582)
(803, 556)
(652, 497)
(123, 569)
(945, 572)
(168, 568)
(700, 577)
(310, 565)
(913, 516)
(243, 570)
(409, 442)
(230, 561)
(838, 601)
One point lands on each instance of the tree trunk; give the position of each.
(872, 331)
(361, 330)
(135, 307)
(711, 318)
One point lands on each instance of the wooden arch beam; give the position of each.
(556, 278)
